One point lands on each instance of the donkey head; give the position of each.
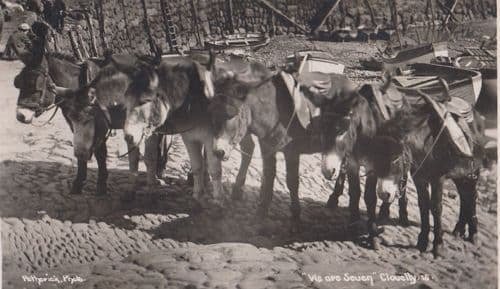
(389, 161)
(158, 90)
(35, 95)
(229, 110)
(34, 80)
(144, 111)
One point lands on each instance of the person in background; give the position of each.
(59, 13)
(48, 12)
(35, 6)
(2, 16)
(18, 38)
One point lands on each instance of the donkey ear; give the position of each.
(206, 79)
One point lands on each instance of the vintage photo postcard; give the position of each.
(248, 144)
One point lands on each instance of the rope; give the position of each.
(430, 150)
(56, 106)
(132, 148)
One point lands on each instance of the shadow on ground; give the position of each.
(36, 189)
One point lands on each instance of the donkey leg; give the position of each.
(459, 230)
(247, 145)
(267, 186)
(133, 162)
(214, 168)
(469, 195)
(151, 160)
(102, 175)
(81, 176)
(292, 181)
(195, 156)
(384, 213)
(162, 157)
(354, 194)
(403, 206)
(423, 205)
(437, 209)
(338, 189)
(133, 157)
(472, 220)
(371, 207)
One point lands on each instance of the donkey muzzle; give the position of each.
(330, 165)
(25, 115)
(387, 190)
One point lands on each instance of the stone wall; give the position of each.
(197, 20)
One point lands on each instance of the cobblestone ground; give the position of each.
(164, 240)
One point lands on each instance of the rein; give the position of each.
(45, 109)
(136, 146)
(443, 126)
(50, 118)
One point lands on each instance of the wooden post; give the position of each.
(450, 13)
(394, 16)
(231, 12)
(372, 14)
(433, 16)
(147, 28)
(79, 38)
(328, 13)
(54, 39)
(93, 46)
(281, 14)
(127, 31)
(102, 31)
(74, 46)
(199, 41)
(419, 40)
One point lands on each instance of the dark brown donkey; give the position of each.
(180, 106)
(354, 147)
(87, 121)
(270, 116)
(419, 144)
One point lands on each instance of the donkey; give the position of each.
(413, 141)
(272, 119)
(179, 106)
(353, 147)
(90, 124)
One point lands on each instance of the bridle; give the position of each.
(45, 102)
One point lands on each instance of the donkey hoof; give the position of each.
(101, 189)
(438, 250)
(155, 182)
(384, 214)
(422, 243)
(374, 243)
(76, 189)
(261, 212)
(190, 179)
(236, 194)
(473, 239)
(459, 230)
(375, 230)
(332, 203)
(403, 221)
(295, 226)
